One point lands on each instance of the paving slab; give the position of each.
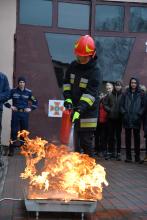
(124, 199)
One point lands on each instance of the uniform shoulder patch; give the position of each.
(28, 90)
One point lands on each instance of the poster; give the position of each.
(55, 108)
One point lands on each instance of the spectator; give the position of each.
(4, 94)
(145, 128)
(101, 130)
(109, 89)
(112, 106)
(132, 108)
(21, 107)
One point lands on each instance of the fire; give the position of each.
(63, 173)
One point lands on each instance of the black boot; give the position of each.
(118, 157)
(108, 156)
(1, 163)
(10, 154)
(137, 158)
(11, 150)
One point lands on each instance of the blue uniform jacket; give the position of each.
(4, 90)
(21, 99)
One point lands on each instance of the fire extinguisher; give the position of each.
(66, 125)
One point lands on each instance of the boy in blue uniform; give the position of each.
(21, 106)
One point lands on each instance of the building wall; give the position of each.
(44, 49)
(140, 1)
(7, 26)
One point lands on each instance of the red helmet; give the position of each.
(85, 46)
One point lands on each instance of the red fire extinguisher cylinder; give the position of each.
(66, 125)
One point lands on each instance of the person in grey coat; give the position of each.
(112, 106)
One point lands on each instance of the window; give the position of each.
(61, 48)
(138, 20)
(113, 54)
(109, 18)
(35, 12)
(74, 16)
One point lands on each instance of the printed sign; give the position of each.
(55, 108)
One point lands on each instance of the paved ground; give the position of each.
(124, 199)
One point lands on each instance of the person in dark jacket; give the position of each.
(80, 89)
(132, 109)
(21, 107)
(145, 127)
(4, 95)
(112, 106)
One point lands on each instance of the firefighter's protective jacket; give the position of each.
(82, 84)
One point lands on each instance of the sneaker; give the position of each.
(5, 153)
(138, 161)
(145, 159)
(108, 156)
(113, 156)
(1, 163)
(100, 155)
(128, 160)
(105, 154)
(10, 154)
(118, 157)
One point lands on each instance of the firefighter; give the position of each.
(21, 107)
(81, 87)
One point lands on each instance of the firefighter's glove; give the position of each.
(68, 104)
(75, 117)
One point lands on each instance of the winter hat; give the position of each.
(21, 78)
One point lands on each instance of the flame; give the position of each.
(74, 175)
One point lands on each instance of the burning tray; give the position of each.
(46, 205)
(37, 201)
